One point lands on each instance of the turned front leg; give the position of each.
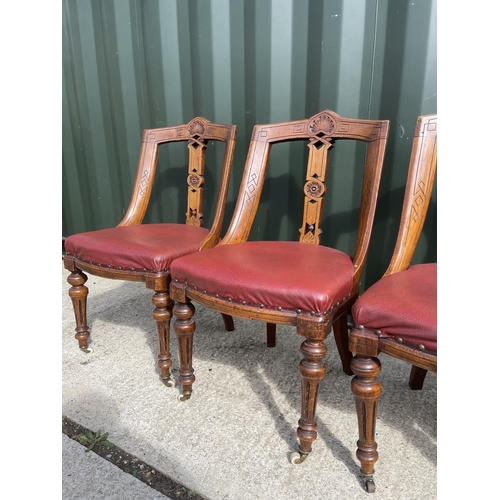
(366, 388)
(184, 328)
(78, 293)
(162, 315)
(312, 371)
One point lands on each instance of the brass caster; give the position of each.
(87, 350)
(297, 457)
(369, 485)
(184, 397)
(169, 382)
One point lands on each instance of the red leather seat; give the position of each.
(147, 247)
(264, 274)
(402, 305)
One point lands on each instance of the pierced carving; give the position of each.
(323, 124)
(195, 179)
(314, 188)
(196, 128)
(195, 218)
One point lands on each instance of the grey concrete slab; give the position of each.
(87, 476)
(233, 438)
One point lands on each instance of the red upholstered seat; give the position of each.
(402, 304)
(146, 247)
(265, 273)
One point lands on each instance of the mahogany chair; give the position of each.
(133, 251)
(299, 283)
(398, 314)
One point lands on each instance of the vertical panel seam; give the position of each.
(370, 94)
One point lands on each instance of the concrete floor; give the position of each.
(233, 438)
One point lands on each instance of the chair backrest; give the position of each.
(322, 130)
(197, 133)
(421, 175)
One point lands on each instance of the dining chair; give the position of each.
(301, 283)
(133, 251)
(397, 315)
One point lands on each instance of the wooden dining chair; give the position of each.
(398, 314)
(133, 251)
(299, 283)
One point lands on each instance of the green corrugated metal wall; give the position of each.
(130, 65)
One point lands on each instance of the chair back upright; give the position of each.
(421, 175)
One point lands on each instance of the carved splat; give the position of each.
(197, 146)
(319, 146)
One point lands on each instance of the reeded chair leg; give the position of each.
(78, 293)
(162, 315)
(312, 371)
(184, 328)
(341, 333)
(417, 376)
(366, 388)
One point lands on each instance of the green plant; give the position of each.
(89, 439)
